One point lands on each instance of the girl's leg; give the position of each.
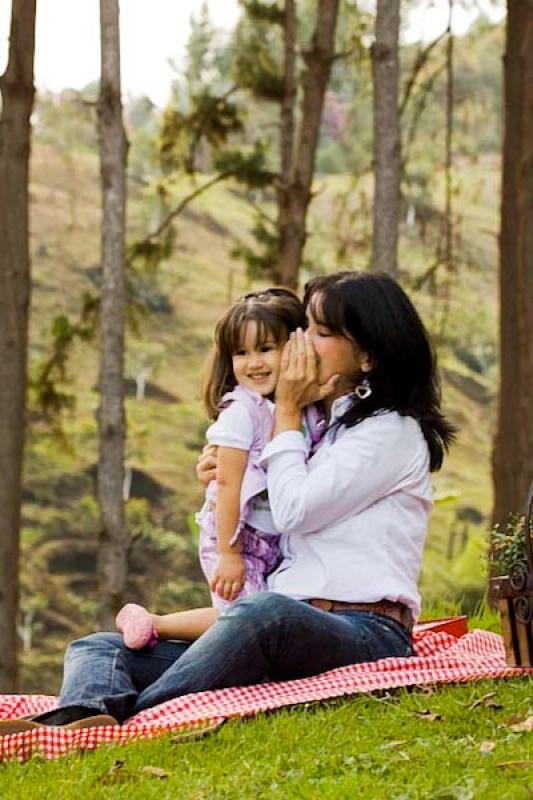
(141, 628)
(187, 625)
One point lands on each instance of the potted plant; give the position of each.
(511, 561)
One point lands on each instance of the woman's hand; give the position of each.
(206, 467)
(298, 378)
(228, 578)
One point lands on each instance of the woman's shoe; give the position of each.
(10, 726)
(97, 721)
(137, 626)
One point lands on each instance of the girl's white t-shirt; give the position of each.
(234, 428)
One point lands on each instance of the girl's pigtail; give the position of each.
(219, 380)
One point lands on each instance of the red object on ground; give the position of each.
(456, 626)
(439, 658)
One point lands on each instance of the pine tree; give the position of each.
(113, 549)
(387, 140)
(513, 452)
(16, 86)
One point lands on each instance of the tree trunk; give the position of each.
(448, 157)
(16, 86)
(387, 141)
(286, 126)
(513, 451)
(113, 549)
(318, 60)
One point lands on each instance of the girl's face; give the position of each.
(255, 365)
(336, 355)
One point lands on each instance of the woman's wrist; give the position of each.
(288, 418)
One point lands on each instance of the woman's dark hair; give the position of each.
(373, 311)
(276, 313)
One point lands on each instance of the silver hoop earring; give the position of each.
(363, 390)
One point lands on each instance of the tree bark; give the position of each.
(318, 60)
(448, 183)
(387, 142)
(113, 546)
(513, 450)
(16, 86)
(287, 126)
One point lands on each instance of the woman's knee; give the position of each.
(266, 605)
(93, 642)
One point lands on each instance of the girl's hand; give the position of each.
(298, 381)
(228, 577)
(206, 467)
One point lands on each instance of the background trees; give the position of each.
(286, 74)
(16, 86)
(231, 125)
(295, 196)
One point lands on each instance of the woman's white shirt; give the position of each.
(353, 517)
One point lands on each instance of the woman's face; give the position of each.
(336, 355)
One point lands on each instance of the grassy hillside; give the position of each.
(166, 428)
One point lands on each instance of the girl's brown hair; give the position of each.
(276, 312)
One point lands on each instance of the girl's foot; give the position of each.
(137, 626)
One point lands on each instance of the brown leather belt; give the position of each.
(396, 611)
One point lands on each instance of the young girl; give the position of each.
(239, 545)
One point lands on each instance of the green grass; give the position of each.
(449, 742)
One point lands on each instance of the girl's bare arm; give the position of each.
(228, 577)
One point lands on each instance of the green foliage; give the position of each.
(141, 118)
(508, 545)
(209, 59)
(66, 122)
(331, 158)
(271, 12)
(246, 166)
(477, 113)
(212, 119)
(258, 51)
(261, 260)
(145, 255)
(46, 387)
(416, 185)
(468, 573)
(199, 47)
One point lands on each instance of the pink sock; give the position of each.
(137, 626)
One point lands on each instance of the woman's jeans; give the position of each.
(266, 636)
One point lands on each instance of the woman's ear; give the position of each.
(367, 362)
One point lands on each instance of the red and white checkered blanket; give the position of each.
(440, 658)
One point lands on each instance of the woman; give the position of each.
(353, 517)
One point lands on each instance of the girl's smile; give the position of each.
(256, 364)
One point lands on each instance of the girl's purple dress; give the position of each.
(259, 550)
